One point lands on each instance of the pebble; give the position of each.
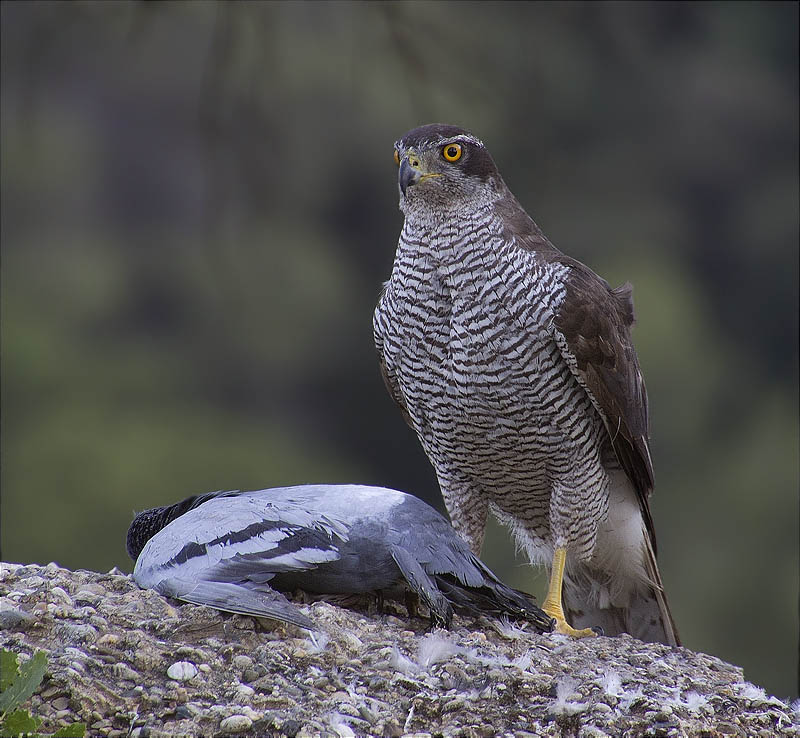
(182, 671)
(235, 724)
(244, 692)
(87, 596)
(353, 642)
(61, 594)
(78, 632)
(99, 622)
(15, 618)
(61, 703)
(108, 641)
(242, 662)
(250, 675)
(123, 671)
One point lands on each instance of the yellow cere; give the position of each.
(397, 157)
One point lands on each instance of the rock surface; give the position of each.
(128, 662)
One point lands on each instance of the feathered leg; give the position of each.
(468, 508)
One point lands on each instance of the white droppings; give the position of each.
(182, 671)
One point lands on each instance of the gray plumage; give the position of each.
(237, 551)
(515, 366)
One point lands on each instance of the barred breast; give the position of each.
(465, 324)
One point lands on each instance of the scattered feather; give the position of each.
(410, 717)
(340, 726)
(565, 703)
(628, 697)
(401, 663)
(522, 662)
(752, 692)
(509, 629)
(757, 694)
(434, 649)
(474, 655)
(611, 683)
(318, 640)
(694, 701)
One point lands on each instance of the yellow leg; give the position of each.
(552, 603)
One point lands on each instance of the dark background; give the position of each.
(199, 206)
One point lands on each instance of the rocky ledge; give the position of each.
(129, 662)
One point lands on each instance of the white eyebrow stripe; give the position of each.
(461, 137)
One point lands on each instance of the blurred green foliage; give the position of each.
(199, 208)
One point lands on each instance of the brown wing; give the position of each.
(594, 323)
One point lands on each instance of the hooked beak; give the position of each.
(408, 175)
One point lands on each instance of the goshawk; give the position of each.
(515, 366)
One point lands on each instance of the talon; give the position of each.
(563, 627)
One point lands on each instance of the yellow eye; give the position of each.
(452, 152)
(397, 157)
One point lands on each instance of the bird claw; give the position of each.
(564, 628)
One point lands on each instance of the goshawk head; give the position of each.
(443, 166)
